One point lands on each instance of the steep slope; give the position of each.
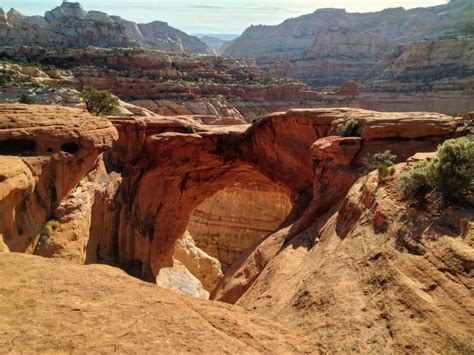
(64, 307)
(371, 274)
(69, 26)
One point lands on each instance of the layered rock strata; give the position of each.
(330, 46)
(217, 90)
(234, 218)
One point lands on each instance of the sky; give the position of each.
(214, 16)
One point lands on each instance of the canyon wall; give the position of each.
(330, 46)
(219, 90)
(234, 218)
(407, 58)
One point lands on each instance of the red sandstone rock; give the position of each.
(51, 306)
(51, 149)
(375, 274)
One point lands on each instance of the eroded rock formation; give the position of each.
(216, 90)
(372, 273)
(331, 45)
(405, 60)
(46, 152)
(185, 169)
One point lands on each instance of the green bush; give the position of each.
(348, 128)
(452, 171)
(99, 102)
(385, 171)
(50, 226)
(383, 162)
(26, 98)
(414, 183)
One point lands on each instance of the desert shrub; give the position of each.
(99, 102)
(383, 162)
(26, 98)
(414, 183)
(49, 227)
(452, 171)
(348, 128)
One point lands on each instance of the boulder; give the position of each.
(204, 267)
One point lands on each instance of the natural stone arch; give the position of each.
(168, 172)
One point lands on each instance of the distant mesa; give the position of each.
(330, 46)
(70, 26)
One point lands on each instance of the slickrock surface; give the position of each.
(375, 274)
(179, 279)
(55, 306)
(70, 26)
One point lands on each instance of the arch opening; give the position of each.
(224, 225)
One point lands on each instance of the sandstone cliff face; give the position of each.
(297, 34)
(334, 56)
(69, 26)
(436, 64)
